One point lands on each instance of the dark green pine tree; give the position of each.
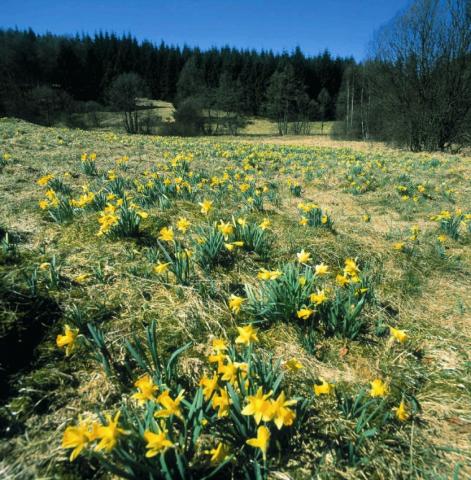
(70, 73)
(282, 93)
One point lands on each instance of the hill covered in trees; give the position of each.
(84, 66)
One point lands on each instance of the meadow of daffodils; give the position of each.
(223, 308)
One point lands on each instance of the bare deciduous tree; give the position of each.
(123, 94)
(420, 70)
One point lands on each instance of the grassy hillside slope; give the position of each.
(84, 231)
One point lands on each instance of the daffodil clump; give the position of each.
(310, 294)
(237, 410)
(362, 175)
(56, 203)
(236, 419)
(451, 223)
(313, 216)
(88, 164)
(411, 243)
(121, 218)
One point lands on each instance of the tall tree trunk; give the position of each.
(348, 107)
(361, 112)
(353, 99)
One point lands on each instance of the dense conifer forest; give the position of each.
(84, 66)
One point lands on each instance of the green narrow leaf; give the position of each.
(173, 357)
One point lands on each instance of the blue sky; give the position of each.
(342, 26)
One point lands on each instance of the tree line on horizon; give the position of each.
(83, 67)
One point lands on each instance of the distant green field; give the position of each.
(263, 126)
(160, 111)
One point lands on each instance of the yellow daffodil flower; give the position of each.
(401, 412)
(156, 443)
(282, 415)
(304, 313)
(265, 224)
(259, 407)
(44, 180)
(160, 268)
(247, 335)
(235, 303)
(219, 345)
(351, 268)
(303, 257)
(325, 388)
(342, 280)
(225, 228)
(209, 385)
(293, 364)
(206, 206)
(219, 454)
(76, 437)
(261, 441)
(146, 387)
(399, 335)
(166, 234)
(378, 388)
(318, 298)
(82, 278)
(170, 406)
(321, 269)
(183, 224)
(222, 402)
(268, 275)
(108, 434)
(67, 340)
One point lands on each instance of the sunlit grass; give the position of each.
(413, 275)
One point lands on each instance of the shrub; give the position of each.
(189, 120)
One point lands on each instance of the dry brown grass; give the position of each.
(432, 301)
